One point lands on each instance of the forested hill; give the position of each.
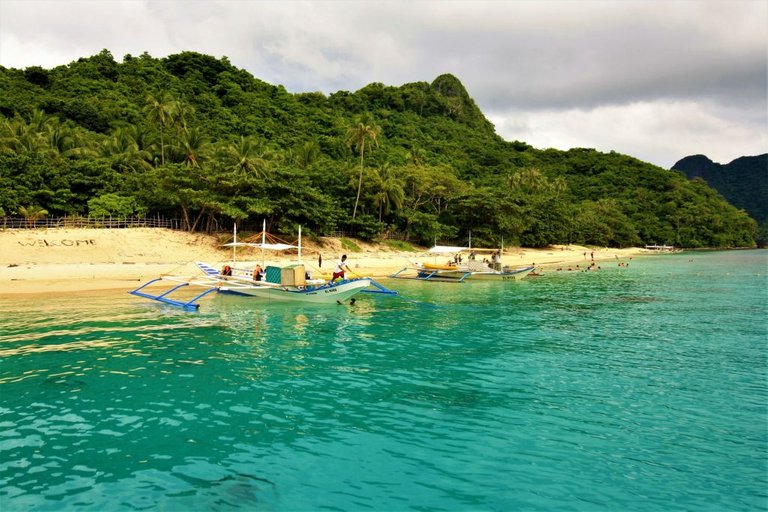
(192, 136)
(743, 182)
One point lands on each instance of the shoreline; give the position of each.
(65, 260)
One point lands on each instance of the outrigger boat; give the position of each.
(284, 284)
(454, 271)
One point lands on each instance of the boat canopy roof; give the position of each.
(483, 249)
(445, 249)
(271, 247)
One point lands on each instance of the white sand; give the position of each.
(63, 260)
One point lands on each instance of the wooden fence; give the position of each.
(145, 222)
(87, 222)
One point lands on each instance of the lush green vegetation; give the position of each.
(349, 245)
(194, 137)
(399, 245)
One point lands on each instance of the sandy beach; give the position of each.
(66, 260)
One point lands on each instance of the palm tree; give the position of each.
(42, 135)
(124, 151)
(306, 154)
(357, 136)
(32, 214)
(11, 133)
(26, 137)
(391, 192)
(416, 156)
(144, 137)
(163, 113)
(65, 141)
(38, 120)
(182, 110)
(528, 181)
(532, 181)
(247, 156)
(193, 147)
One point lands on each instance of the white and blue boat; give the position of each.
(290, 283)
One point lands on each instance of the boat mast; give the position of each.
(299, 244)
(263, 239)
(234, 245)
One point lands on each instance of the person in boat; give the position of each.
(258, 273)
(226, 271)
(340, 270)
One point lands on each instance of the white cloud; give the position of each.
(56, 33)
(660, 132)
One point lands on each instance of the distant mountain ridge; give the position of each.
(743, 182)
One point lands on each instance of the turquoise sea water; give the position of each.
(642, 388)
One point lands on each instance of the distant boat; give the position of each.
(663, 248)
(471, 270)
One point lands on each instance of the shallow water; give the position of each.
(639, 388)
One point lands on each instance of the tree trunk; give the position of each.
(185, 216)
(162, 147)
(360, 179)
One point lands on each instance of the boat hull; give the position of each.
(487, 275)
(324, 294)
(434, 266)
(512, 275)
(463, 275)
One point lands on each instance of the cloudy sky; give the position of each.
(655, 79)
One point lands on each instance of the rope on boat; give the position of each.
(383, 289)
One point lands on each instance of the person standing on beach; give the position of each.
(495, 261)
(341, 268)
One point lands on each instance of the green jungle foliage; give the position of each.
(399, 245)
(349, 245)
(193, 137)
